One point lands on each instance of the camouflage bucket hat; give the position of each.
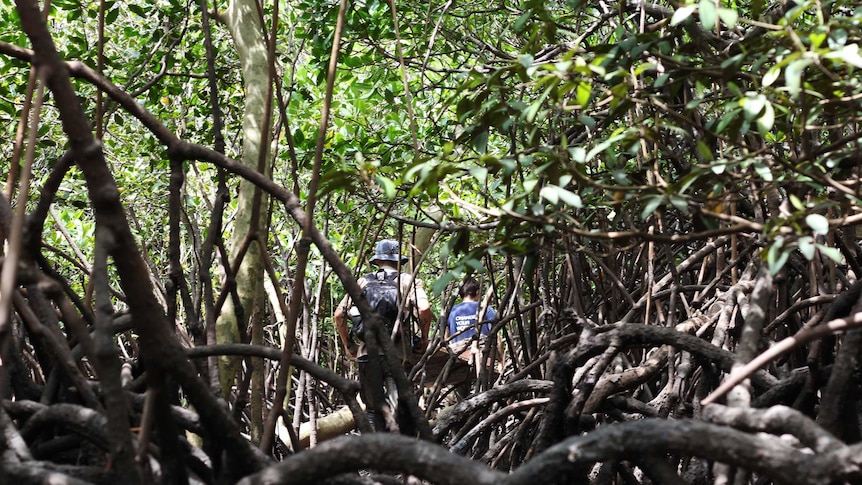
(388, 250)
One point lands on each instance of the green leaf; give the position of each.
(526, 60)
(442, 282)
(111, 16)
(818, 223)
(796, 202)
(763, 171)
(752, 105)
(727, 119)
(776, 256)
(776, 266)
(817, 39)
(770, 76)
(662, 80)
(704, 151)
(837, 38)
(448, 148)
(708, 14)
(793, 76)
(474, 263)
(464, 108)
(480, 141)
(681, 14)
(548, 193)
(136, 9)
(563, 66)
(569, 198)
(728, 16)
(849, 54)
(533, 110)
(832, 253)
(578, 154)
(583, 93)
(765, 122)
(386, 184)
(680, 203)
(522, 21)
(509, 165)
(604, 145)
(757, 8)
(298, 136)
(480, 173)
(807, 247)
(651, 206)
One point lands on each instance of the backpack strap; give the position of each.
(391, 276)
(383, 276)
(379, 275)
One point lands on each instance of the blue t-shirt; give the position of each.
(463, 315)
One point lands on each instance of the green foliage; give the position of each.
(557, 145)
(532, 123)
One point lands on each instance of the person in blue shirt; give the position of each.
(463, 321)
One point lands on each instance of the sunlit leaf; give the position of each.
(728, 16)
(548, 193)
(849, 54)
(763, 171)
(583, 93)
(752, 105)
(832, 253)
(796, 202)
(708, 14)
(569, 198)
(386, 184)
(793, 76)
(818, 223)
(480, 173)
(767, 120)
(807, 247)
(681, 14)
(770, 76)
(578, 154)
(817, 39)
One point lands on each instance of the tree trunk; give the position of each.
(244, 24)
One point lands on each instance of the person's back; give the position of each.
(463, 320)
(387, 257)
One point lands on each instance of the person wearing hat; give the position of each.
(388, 258)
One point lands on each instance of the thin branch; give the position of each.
(803, 337)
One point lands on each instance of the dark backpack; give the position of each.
(381, 291)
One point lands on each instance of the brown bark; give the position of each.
(160, 351)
